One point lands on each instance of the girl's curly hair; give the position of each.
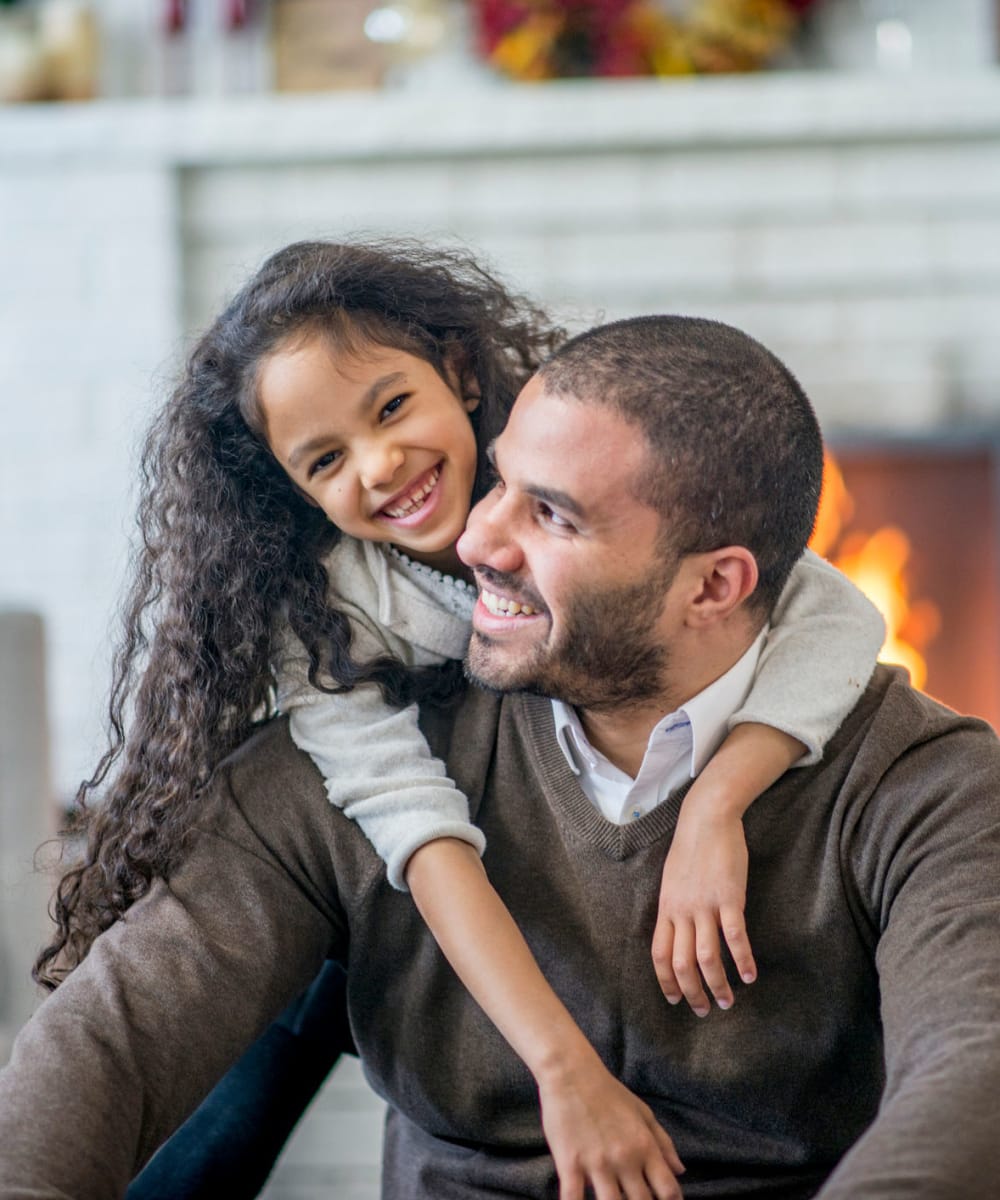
(229, 550)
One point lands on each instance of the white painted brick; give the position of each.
(944, 177)
(902, 388)
(777, 322)
(220, 204)
(556, 192)
(68, 407)
(736, 183)
(661, 261)
(977, 383)
(967, 250)
(523, 260)
(957, 320)
(839, 255)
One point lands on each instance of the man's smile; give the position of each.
(499, 606)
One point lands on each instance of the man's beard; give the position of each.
(607, 655)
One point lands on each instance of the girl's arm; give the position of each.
(819, 654)
(379, 770)
(599, 1133)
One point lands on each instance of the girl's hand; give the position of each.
(704, 887)
(603, 1136)
(703, 890)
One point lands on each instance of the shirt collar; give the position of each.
(708, 713)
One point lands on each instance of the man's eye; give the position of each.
(551, 517)
(393, 406)
(324, 461)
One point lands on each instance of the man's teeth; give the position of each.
(501, 607)
(415, 499)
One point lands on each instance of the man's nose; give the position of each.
(378, 464)
(488, 540)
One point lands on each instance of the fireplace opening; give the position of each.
(916, 523)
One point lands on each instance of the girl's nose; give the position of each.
(488, 540)
(379, 464)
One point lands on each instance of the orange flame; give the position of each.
(877, 565)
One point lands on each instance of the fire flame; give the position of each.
(877, 565)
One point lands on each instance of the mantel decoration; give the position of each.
(550, 39)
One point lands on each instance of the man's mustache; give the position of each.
(504, 581)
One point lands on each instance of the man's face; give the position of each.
(574, 582)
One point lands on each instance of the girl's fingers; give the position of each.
(734, 930)
(666, 1147)
(607, 1187)
(634, 1186)
(662, 1183)
(709, 956)
(686, 968)
(663, 953)
(664, 1164)
(571, 1183)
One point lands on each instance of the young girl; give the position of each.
(304, 489)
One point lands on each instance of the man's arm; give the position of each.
(167, 998)
(926, 852)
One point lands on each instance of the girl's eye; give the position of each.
(324, 461)
(393, 406)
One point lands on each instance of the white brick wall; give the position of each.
(88, 310)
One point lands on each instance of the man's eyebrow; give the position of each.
(557, 499)
(548, 495)
(378, 387)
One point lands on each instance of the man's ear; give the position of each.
(727, 577)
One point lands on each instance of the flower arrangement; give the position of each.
(548, 39)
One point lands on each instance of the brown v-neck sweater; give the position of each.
(865, 1062)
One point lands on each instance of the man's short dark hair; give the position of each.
(736, 451)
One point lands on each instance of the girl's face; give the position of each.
(377, 440)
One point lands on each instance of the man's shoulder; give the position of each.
(268, 783)
(893, 718)
(902, 761)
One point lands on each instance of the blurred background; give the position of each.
(824, 175)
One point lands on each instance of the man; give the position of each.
(655, 483)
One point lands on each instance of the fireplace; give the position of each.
(926, 510)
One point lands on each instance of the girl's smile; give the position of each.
(416, 501)
(377, 439)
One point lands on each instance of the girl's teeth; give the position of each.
(416, 499)
(501, 607)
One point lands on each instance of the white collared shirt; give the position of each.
(679, 745)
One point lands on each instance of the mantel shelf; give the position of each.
(778, 108)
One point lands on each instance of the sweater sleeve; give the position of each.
(376, 764)
(170, 996)
(924, 860)
(819, 655)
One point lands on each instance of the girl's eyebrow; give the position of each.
(306, 449)
(371, 395)
(393, 379)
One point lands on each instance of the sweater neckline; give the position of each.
(432, 573)
(572, 806)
